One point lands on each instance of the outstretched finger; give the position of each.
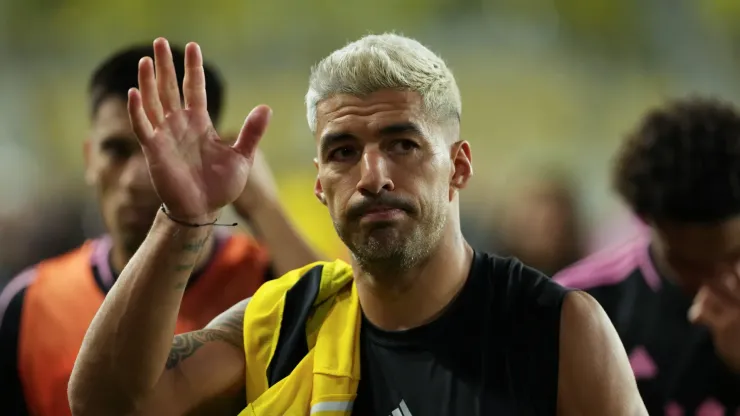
(194, 84)
(169, 92)
(139, 120)
(252, 131)
(148, 90)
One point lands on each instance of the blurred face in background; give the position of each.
(117, 169)
(540, 227)
(697, 254)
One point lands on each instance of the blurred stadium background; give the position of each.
(547, 86)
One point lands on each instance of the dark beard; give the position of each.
(393, 248)
(393, 259)
(394, 264)
(368, 252)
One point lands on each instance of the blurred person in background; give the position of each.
(540, 224)
(418, 324)
(673, 293)
(45, 311)
(49, 225)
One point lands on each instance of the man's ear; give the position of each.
(87, 156)
(318, 190)
(462, 165)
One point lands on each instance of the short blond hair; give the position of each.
(380, 62)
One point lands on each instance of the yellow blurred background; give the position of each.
(552, 84)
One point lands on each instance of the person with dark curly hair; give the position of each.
(673, 293)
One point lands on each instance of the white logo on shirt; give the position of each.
(402, 410)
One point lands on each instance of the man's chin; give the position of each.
(380, 245)
(378, 241)
(388, 233)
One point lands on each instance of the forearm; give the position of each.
(288, 249)
(127, 344)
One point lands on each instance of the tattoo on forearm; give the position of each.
(194, 246)
(184, 267)
(226, 328)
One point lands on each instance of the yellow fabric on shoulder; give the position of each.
(325, 381)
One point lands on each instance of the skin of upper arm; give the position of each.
(205, 371)
(595, 377)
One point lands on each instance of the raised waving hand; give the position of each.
(193, 171)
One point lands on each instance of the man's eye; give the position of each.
(117, 150)
(343, 153)
(404, 146)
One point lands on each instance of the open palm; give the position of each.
(193, 171)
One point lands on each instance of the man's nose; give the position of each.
(374, 173)
(136, 173)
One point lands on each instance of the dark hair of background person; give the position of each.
(116, 75)
(682, 163)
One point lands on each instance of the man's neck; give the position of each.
(419, 295)
(119, 256)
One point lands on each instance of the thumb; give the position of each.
(252, 130)
(697, 315)
(707, 308)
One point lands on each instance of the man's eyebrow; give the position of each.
(401, 128)
(331, 139)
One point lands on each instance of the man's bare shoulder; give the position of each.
(583, 322)
(594, 375)
(581, 311)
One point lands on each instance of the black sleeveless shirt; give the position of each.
(493, 351)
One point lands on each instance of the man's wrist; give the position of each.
(189, 221)
(167, 224)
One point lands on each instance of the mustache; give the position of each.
(385, 201)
